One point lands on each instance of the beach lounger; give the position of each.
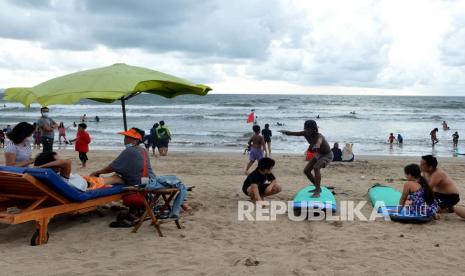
(31, 194)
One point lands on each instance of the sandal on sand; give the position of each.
(121, 224)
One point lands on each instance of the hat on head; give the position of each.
(131, 133)
(311, 124)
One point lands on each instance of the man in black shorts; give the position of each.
(324, 155)
(266, 133)
(164, 137)
(261, 182)
(445, 189)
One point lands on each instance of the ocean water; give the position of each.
(218, 122)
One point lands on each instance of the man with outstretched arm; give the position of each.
(320, 146)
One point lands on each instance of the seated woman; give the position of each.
(347, 154)
(18, 149)
(63, 168)
(337, 152)
(419, 194)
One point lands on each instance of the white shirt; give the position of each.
(23, 151)
(76, 181)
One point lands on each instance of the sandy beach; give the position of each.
(214, 242)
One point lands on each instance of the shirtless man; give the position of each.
(434, 137)
(445, 189)
(319, 145)
(257, 147)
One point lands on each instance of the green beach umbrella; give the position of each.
(106, 84)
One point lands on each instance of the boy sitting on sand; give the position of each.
(257, 147)
(261, 182)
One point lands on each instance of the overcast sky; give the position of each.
(244, 46)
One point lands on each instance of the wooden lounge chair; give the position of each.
(38, 195)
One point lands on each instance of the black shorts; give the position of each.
(267, 139)
(163, 143)
(83, 156)
(261, 189)
(446, 201)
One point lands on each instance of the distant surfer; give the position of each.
(318, 116)
(455, 139)
(391, 138)
(445, 126)
(279, 124)
(434, 137)
(320, 146)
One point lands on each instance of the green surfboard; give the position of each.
(303, 199)
(391, 197)
(386, 194)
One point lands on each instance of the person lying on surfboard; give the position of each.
(319, 145)
(261, 182)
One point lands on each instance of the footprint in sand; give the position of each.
(90, 265)
(251, 261)
(337, 224)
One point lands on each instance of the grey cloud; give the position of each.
(331, 62)
(452, 53)
(34, 4)
(229, 29)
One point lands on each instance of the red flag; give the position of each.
(251, 118)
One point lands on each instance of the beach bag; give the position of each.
(136, 200)
(133, 200)
(309, 155)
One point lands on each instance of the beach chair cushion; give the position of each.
(56, 183)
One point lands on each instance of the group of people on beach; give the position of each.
(445, 127)
(318, 145)
(24, 136)
(433, 134)
(432, 193)
(158, 138)
(131, 167)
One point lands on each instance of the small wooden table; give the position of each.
(152, 197)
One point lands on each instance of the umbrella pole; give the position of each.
(123, 106)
